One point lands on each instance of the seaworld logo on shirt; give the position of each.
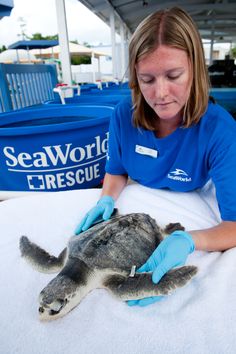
(179, 175)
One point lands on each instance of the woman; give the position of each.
(171, 136)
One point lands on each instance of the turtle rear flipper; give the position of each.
(141, 285)
(171, 227)
(39, 258)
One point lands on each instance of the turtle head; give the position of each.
(59, 297)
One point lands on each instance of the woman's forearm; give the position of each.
(217, 238)
(113, 185)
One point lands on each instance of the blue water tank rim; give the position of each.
(53, 111)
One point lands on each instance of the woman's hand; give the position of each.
(104, 208)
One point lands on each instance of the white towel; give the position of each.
(199, 318)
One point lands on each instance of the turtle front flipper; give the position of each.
(140, 285)
(39, 258)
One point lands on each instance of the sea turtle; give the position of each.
(102, 257)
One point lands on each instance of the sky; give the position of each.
(40, 16)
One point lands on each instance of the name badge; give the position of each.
(143, 150)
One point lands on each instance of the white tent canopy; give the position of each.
(76, 49)
(15, 56)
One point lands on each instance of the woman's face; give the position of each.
(165, 79)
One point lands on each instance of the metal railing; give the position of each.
(23, 85)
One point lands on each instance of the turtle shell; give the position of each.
(118, 243)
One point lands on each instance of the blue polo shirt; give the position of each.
(184, 160)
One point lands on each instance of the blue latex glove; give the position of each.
(104, 208)
(171, 252)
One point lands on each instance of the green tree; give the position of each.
(75, 59)
(86, 44)
(39, 36)
(233, 52)
(75, 41)
(80, 59)
(3, 48)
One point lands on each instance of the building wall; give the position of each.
(220, 50)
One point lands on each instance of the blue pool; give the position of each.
(226, 97)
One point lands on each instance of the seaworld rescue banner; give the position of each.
(54, 149)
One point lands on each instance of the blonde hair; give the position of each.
(175, 28)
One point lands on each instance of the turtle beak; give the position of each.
(48, 311)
